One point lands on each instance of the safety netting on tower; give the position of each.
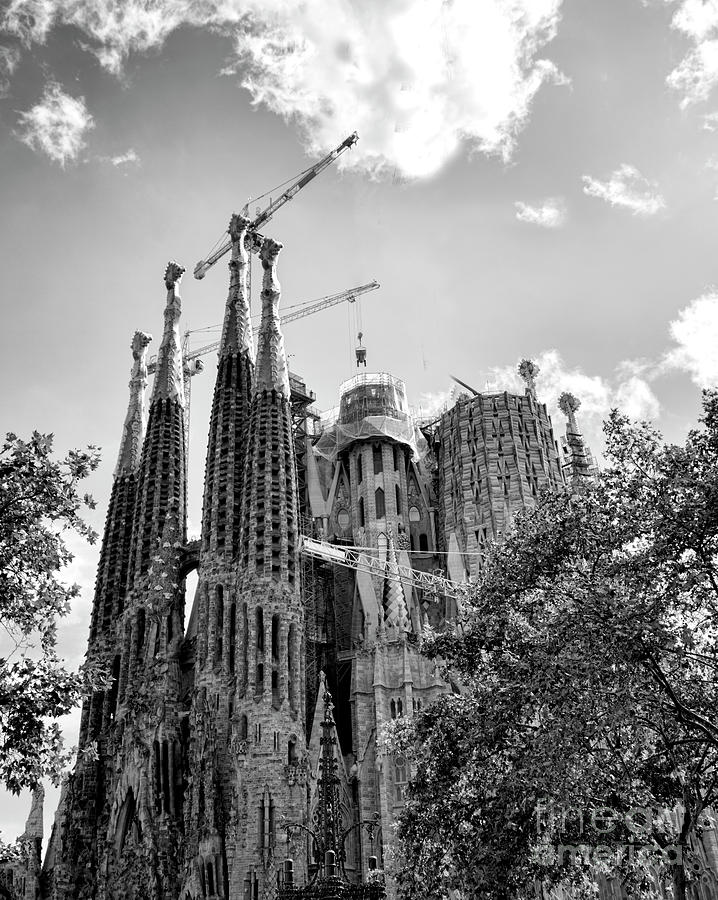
(371, 407)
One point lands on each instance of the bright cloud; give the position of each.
(550, 214)
(695, 333)
(9, 58)
(125, 159)
(416, 78)
(57, 125)
(697, 73)
(627, 188)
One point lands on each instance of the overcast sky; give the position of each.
(533, 178)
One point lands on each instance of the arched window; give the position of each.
(380, 503)
(378, 461)
(360, 467)
(423, 543)
(414, 514)
(259, 619)
(140, 631)
(361, 512)
(243, 728)
(401, 777)
(292, 751)
(232, 637)
(395, 454)
(220, 624)
(397, 494)
(291, 657)
(392, 707)
(112, 704)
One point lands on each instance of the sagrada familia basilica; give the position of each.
(202, 764)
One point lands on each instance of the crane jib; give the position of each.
(204, 265)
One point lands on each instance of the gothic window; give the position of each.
(414, 514)
(343, 519)
(260, 629)
(291, 657)
(112, 704)
(243, 728)
(399, 708)
(275, 639)
(232, 637)
(423, 543)
(395, 456)
(397, 494)
(210, 879)
(126, 822)
(220, 623)
(392, 707)
(401, 778)
(380, 504)
(245, 647)
(170, 633)
(378, 461)
(292, 751)
(258, 733)
(361, 512)
(360, 467)
(140, 630)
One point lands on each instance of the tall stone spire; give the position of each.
(169, 377)
(230, 408)
(161, 477)
(111, 582)
(578, 463)
(396, 615)
(133, 431)
(269, 520)
(272, 370)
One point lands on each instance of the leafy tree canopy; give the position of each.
(588, 659)
(39, 504)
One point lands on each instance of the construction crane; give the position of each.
(359, 560)
(254, 238)
(298, 312)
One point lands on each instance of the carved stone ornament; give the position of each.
(133, 431)
(237, 333)
(569, 406)
(169, 377)
(528, 370)
(272, 372)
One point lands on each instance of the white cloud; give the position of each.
(697, 73)
(627, 188)
(57, 125)
(710, 121)
(550, 214)
(695, 333)
(416, 78)
(627, 389)
(125, 159)
(9, 58)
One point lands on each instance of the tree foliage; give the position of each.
(588, 655)
(40, 504)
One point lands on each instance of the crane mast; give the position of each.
(254, 239)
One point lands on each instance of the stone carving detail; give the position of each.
(272, 373)
(237, 329)
(528, 370)
(133, 431)
(169, 380)
(569, 406)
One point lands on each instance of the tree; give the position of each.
(586, 728)
(39, 505)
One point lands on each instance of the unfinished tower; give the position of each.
(269, 710)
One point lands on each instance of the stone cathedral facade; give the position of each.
(197, 768)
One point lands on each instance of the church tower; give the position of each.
(269, 709)
(145, 799)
